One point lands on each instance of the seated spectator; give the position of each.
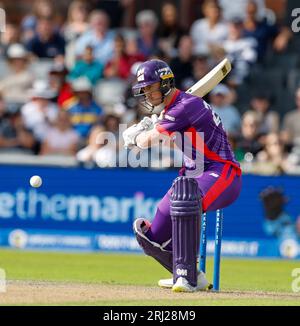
(182, 65)
(120, 64)
(291, 125)
(60, 139)
(77, 21)
(147, 41)
(99, 37)
(87, 67)
(293, 161)
(210, 30)
(261, 30)
(10, 36)
(58, 83)
(249, 142)
(108, 153)
(111, 123)
(239, 153)
(40, 8)
(13, 134)
(239, 7)
(121, 12)
(169, 31)
(286, 34)
(269, 119)
(272, 160)
(219, 100)
(87, 155)
(241, 51)
(130, 101)
(132, 50)
(76, 25)
(97, 149)
(47, 42)
(15, 86)
(39, 113)
(200, 69)
(85, 113)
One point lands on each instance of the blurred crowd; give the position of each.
(62, 83)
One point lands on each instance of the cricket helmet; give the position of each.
(151, 72)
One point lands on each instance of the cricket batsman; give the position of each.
(173, 236)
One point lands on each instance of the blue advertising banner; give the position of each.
(79, 209)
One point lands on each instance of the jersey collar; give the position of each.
(172, 101)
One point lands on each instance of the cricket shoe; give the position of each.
(182, 285)
(202, 282)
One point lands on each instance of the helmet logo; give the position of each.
(165, 73)
(141, 75)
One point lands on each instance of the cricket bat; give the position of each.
(211, 80)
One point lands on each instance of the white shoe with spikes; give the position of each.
(203, 284)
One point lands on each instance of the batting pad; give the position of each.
(185, 213)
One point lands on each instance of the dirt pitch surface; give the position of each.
(59, 293)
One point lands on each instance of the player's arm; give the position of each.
(149, 138)
(143, 134)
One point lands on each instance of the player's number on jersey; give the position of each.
(217, 119)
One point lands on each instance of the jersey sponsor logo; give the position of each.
(215, 175)
(168, 117)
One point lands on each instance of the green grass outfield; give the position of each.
(243, 282)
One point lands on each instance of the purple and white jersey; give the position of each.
(190, 115)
